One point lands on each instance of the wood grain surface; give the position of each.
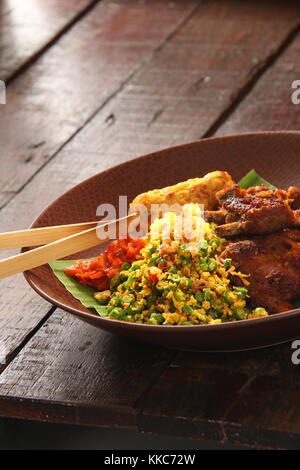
(53, 99)
(106, 375)
(243, 398)
(269, 106)
(186, 69)
(29, 27)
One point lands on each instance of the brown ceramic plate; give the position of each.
(275, 156)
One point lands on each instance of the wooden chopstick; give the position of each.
(56, 250)
(41, 236)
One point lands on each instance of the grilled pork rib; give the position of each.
(255, 210)
(273, 262)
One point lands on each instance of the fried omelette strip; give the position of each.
(273, 262)
(196, 190)
(255, 211)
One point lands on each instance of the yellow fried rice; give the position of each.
(178, 281)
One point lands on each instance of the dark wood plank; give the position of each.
(169, 100)
(54, 98)
(267, 412)
(269, 106)
(105, 374)
(247, 398)
(196, 391)
(28, 27)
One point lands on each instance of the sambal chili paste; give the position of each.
(97, 273)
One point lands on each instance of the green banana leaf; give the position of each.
(253, 179)
(84, 294)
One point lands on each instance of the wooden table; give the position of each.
(93, 83)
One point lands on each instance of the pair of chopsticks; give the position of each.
(59, 241)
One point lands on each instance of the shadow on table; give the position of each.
(33, 435)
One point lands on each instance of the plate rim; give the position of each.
(173, 147)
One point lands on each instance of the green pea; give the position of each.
(185, 260)
(103, 297)
(259, 310)
(130, 282)
(211, 265)
(199, 296)
(203, 265)
(118, 313)
(125, 266)
(157, 317)
(102, 310)
(175, 278)
(203, 245)
(127, 299)
(188, 282)
(225, 319)
(206, 293)
(161, 285)
(215, 241)
(227, 263)
(179, 295)
(226, 299)
(135, 267)
(239, 313)
(187, 309)
(151, 300)
(182, 247)
(114, 282)
(241, 290)
(138, 306)
(213, 313)
(116, 301)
